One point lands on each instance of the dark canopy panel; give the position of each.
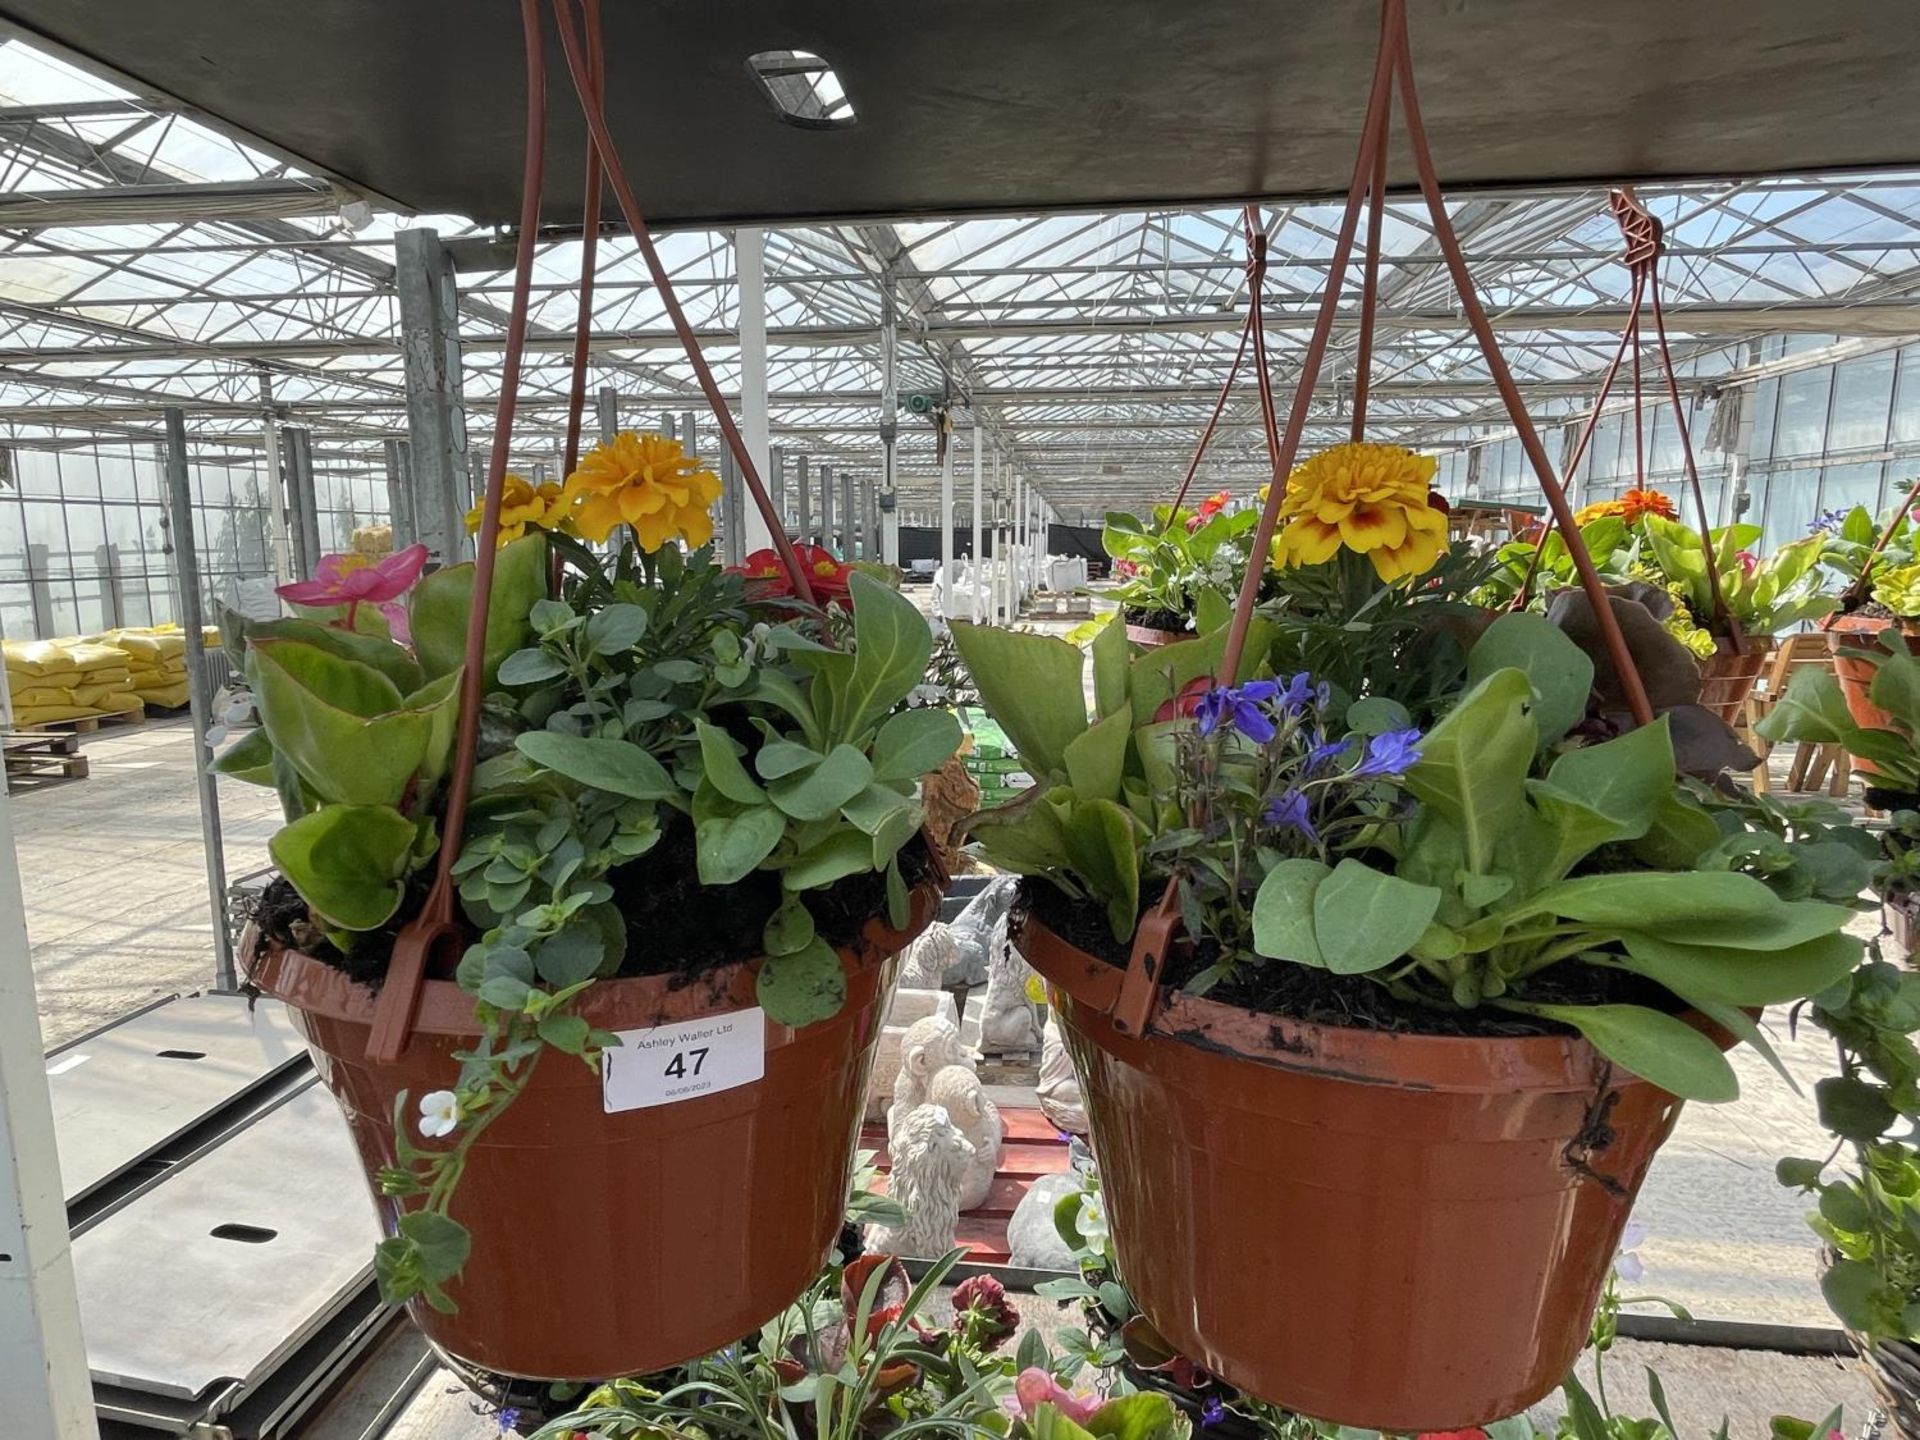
(1007, 105)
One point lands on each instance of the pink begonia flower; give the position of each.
(1035, 1387)
(1748, 560)
(350, 580)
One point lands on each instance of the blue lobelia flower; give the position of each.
(1289, 810)
(1325, 751)
(1827, 522)
(1298, 693)
(1212, 1413)
(1390, 754)
(1244, 707)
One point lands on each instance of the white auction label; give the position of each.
(680, 1062)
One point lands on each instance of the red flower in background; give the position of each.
(1208, 508)
(767, 578)
(1183, 705)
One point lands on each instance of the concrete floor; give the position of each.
(115, 884)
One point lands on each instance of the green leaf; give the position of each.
(1030, 684)
(1363, 919)
(1109, 651)
(1626, 778)
(779, 758)
(1896, 689)
(1096, 758)
(1377, 715)
(723, 768)
(1681, 832)
(1024, 837)
(731, 840)
(572, 954)
(505, 992)
(1473, 765)
(341, 724)
(843, 853)
(1558, 833)
(1796, 1173)
(442, 1245)
(618, 767)
(250, 759)
(1853, 1109)
(804, 987)
(567, 1033)
(441, 601)
(789, 929)
(1658, 1048)
(1560, 671)
(1103, 847)
(1852, 1289)
(615, 629)
(1283, 912)
(820, 792)
(891, 646)
(1742, 976)
(914, 742)
(874, 808)
(1813, 711)
(530, 667)
(389, 658)
(1143, 1415)
(1700, 907)
(349, 862)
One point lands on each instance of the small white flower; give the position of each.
(1091, 1222)
(1628, 1265)
(439, 1114)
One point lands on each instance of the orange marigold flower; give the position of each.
(648, 482)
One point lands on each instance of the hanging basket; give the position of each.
(1399, 1232)
(661, 1233)
(1863, 632)
(1728, 676)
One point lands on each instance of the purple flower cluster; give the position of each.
(1827, 522)
(1256, 708)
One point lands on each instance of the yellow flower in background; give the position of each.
(648, 482)
(1371, 499)
(523, 506)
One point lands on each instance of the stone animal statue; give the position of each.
(958, 1091)
(907, 1007)
(929, 1046)
(927, 960)
(1059, 1087)
(930, 1158)
(1009, 1023)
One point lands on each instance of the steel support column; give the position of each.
(979, 510)
(186, 571)
(849, 516)
(606, 407)
(804, 496)
(303, 499)
(826, 508)
(945, 607)
(399, 492)
(749, 252)
(429, 299)
(43, 1358)
(276, 493)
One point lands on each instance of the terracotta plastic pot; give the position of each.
(1862, 632)
(1380, 1230)
(613, 1244)
(1152, 639)
(1726, 678)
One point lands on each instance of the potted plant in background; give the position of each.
(692, 846)
(1879, 600)
(1508, 945)
(1177, 571)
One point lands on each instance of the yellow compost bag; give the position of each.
(27, 715)
(120, 702)
(41, 695)
(96, 697)
(87, 654)
(167, 696)
(39, 657)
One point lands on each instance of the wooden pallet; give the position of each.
(34, 761)
(1033, 1147)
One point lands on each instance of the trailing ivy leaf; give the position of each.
(1853, 1291)
(1659, 1048)
(618, 766)
(724, 770)
(506, 993)
(914, 742)
(803, 987)
(440, 1244)
(564, 1032)
(1852, 1108)
(571, 955)
(1363, 919)
(1030, 684)
(1797, 1173)
(789, 929)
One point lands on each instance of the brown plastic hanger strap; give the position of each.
(577, 67)
(399, 999)
(1616, 641)
(1643, 231)
(589, 245)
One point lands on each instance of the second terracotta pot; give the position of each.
(609, 1244)
(1727, 677)
(1862, 632)
(1386, 1231)
(1149, 638)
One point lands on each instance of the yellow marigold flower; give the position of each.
(1368, 498)
(648, 482)
(1630, 507)
(523, 505)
